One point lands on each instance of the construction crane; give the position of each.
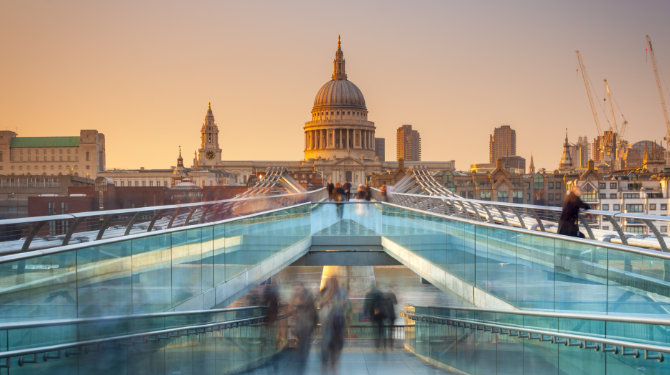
(620, 130)
(660, 91)
(588, 91)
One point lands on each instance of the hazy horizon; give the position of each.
(142, 73)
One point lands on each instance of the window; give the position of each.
(602, 185)
(144, 183)
(605, 227)
(634, 208)
(664, 228)
(664, 206)
(485, 195)
(631, 195)
(517, 196)
(589, 193)
(551, 185)
(634, 229)
(617, 207)
(602, 195)
(550, 196)
(612, 185)
(606, 207)
(164, 183)
(151, 183)
(503, 196)
(87, 156)
(558, 185)
(652, 206)
(137, 183)
(538, 181)
(612, 195)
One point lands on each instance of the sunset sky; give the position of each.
(142, 72)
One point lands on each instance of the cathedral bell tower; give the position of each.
(209, 153)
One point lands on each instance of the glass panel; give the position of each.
(152, 276)
(104, 280)
(186, 265)
(39, 288)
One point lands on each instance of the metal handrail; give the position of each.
(558, 314)
(75, 215)
(597, 342)
(612, 217)
(186, 330)
(58, 249)
(56, 322)
(22, 241)
(610, 245)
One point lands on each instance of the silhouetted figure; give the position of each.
(390, 301)
(383, 189)
(347, 189)
(333, 304)
(305, 322)
(368, 193)
(271, 303)
(360, 192)
(339, 197)
(331, 189)
(375, 310)
(568, 224)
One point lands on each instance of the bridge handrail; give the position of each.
(32, 219)
(612, 217)
(610, 245)
(185, 330)
(18, 235)
(556, 337)
(651, 319)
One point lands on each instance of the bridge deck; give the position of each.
(358, 358)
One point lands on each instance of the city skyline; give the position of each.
(152, 78)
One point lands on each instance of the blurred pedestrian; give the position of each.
(390, 301)
(331, 189)
(333, 303)
(375, 311)
(305, 323)
(347, 189)
(569, 222)
(360, 192)
(368, 192)
(339, 197)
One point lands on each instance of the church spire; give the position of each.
(566, 159)
(180, 160)
(338, 71)
(531, 168)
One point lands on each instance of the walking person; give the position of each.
(305, 323)
(333, 304)
(347, 189)
(382, 189)
(339, 197)
(568, 224)
(390, 301)
(374, 310)
(331, 190)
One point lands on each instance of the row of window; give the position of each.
(322, 115)
(44, 167)
(634, 207)
(603, 185)
(17, 155)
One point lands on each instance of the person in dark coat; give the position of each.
(568, 224)
(331, 189)
(347, 189)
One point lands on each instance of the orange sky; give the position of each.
(143, 72)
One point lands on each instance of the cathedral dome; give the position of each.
(339, 93)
